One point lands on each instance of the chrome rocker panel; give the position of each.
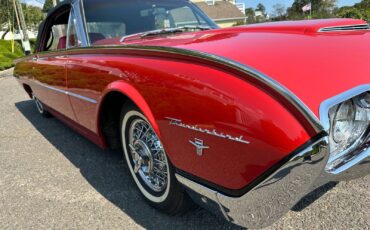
(276, 195)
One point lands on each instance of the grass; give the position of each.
(6, 55)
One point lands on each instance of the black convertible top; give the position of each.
(58, 6)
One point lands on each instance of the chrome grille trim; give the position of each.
(345, 28)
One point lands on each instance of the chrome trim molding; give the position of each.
(272, 198)
(82, 97)
(255, 74)
(354, 155)
(68, 93)
(360, 27)
(327, 104)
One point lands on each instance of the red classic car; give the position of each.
(243, 121)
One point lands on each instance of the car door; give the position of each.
(49, 70)
(82, 95)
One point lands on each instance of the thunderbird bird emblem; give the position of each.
(198, 143)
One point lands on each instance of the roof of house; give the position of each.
(220, 10)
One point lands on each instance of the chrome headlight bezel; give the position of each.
(355, 105)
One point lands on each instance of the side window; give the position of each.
(54, 35)
(57, 37)
(72, 39)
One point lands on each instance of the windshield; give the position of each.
(118, 18)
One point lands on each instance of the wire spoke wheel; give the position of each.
(147, 155)
(149, 165)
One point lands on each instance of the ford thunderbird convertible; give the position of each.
(243, 121)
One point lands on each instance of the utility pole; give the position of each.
(22, 27)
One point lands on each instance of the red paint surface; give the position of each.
(313, 66)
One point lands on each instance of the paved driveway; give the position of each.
(52, 178)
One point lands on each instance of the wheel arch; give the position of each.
(28, 89)
(114, 97)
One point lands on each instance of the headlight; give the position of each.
(349, 124)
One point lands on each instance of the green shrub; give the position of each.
(6, 55)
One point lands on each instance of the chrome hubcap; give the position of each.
(148, 156)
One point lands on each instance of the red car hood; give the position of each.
(314, 66)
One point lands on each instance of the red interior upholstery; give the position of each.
(62, 43)
(94, 37)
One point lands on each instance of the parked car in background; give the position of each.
(243, 121)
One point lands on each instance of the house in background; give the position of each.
(17, 35)
(225, 13)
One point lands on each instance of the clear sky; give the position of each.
(288, 3)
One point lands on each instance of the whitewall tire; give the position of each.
(149, 165)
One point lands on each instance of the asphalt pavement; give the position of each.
(53, 178)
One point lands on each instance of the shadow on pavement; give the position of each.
(313, 196)
(105, 171)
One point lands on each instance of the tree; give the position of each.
(261, 8)
(250, 14)
(279, 11)
(349, 12)
(33, 15)
(6, 7)
(360, 10)
(364, 8)
(320, 9)
(48, 4)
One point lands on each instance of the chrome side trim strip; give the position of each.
(273, 197)
(68, 93)
(255, 74)
(82, 97)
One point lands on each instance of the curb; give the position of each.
(6, 73)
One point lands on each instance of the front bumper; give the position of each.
(272, 198)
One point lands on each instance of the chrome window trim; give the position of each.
(79, 24)
(83, 23)
(71, 19)
(68, 93)
(255, 74)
